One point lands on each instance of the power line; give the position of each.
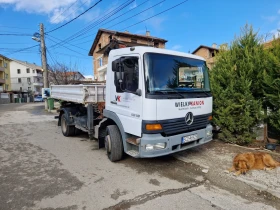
(67, 43)
(75, 17)
(100, 20)
(65, 10)
(156, 14)
(117, 18)
(1, 26)
(23, 49)
(11, 34)
(65, 46)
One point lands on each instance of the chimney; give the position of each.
(214, 45)
(147, 33)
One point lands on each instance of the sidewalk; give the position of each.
(216, 157)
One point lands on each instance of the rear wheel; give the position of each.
(113, 143)
(67, 130)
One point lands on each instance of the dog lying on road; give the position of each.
(250, 161)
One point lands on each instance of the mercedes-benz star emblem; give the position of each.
(189, 118)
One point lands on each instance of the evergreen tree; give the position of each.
(272, 84)
(236, 82)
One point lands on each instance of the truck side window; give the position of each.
(131, 74)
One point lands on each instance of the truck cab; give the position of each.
(159, 99)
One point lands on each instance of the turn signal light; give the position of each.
(210, 118)
(153, 127)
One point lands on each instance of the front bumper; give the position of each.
(173, 143)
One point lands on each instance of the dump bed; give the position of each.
(91, 93)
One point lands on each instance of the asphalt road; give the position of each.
(42, 169)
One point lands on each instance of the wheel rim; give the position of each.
(63, 125)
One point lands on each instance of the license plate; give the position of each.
(189, 138)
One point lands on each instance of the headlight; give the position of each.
(156, 146)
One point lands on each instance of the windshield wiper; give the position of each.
(169, 91)
(177, 92)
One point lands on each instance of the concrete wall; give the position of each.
(36, 79)
(4, 98)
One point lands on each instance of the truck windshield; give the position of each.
(169, 73)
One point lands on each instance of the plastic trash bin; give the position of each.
(50, 103)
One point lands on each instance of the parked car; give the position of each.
(38, 99)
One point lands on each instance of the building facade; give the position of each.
(107, 39)
(5, 79)
(208, 53)
(26, 77)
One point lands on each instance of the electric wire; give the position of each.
(100, 20)
(23, 49)
(65, 46)
(75, 17)
(65, 10)
(155, 14)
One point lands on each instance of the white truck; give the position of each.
(155, 102)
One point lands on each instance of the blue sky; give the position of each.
(193, 23)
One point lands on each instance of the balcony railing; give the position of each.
(2, 81)
(2, 68)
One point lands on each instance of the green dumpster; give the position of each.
(51, 103)
(16, 100)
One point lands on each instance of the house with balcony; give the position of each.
(105, 40)
(5, 79)
(26, 77)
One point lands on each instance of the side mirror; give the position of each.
(115, 65)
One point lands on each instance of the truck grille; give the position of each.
(176, 126)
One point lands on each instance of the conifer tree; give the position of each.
(272, 84)
(236, 83)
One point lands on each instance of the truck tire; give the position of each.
(67, 130)
(113, 143)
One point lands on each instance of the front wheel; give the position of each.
(113, 143)
(67, 130)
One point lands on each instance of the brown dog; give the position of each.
(250, 161)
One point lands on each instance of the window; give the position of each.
(131, 75)
(28, 70)
(33, 71)
(38, 79)
(133, 40)
(19, 80)
(156, 44)
(29, 89)
(18, 71)
(100, 62)
(99, 45)
(28, 80)
(5, 65)
(7, 87)
(20, 89)
(6, 76)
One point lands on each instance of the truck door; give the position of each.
(124, 99)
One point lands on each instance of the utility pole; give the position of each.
(44, 59)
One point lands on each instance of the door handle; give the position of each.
(113, 102)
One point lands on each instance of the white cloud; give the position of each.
(89, 76)
(53, 8)
(269, 18)
(176, 47)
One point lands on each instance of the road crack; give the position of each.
(141, 199)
